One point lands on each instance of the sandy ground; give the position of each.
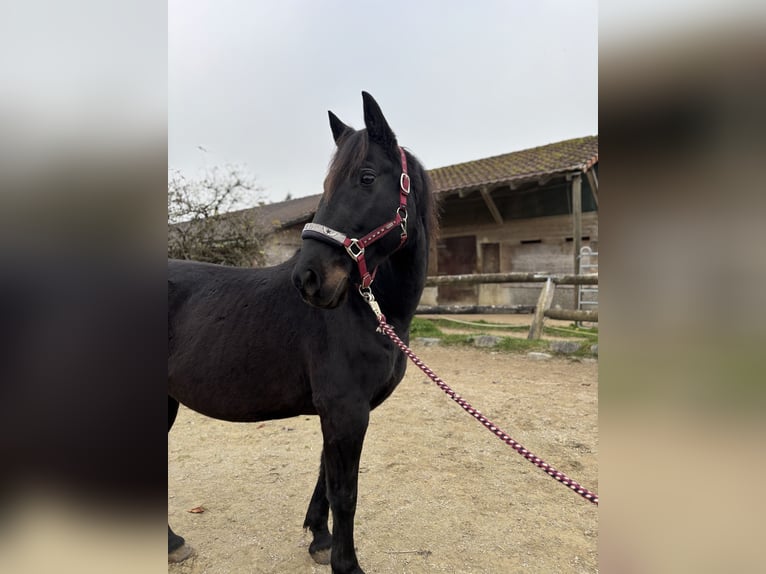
(437, 492)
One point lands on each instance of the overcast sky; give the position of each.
(250, 82)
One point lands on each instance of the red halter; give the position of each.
(356, 247)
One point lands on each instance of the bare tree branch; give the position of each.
(207, 222)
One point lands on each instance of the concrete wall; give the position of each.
(281, 245)
(526, 245)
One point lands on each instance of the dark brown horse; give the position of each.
(245, 346)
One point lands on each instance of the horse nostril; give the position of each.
(307, 282)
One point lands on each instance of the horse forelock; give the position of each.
(348, 158)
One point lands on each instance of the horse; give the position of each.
(299, 338)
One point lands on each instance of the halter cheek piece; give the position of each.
(355, 247)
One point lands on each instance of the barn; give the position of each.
(526, 211)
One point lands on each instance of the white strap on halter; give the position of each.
(324, 232)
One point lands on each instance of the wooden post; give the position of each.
(485, 194)
(543, 305)
(593, 181)
(577, 230)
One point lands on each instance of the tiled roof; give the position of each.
(290, 212)
(560, 157)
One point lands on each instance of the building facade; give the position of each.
(526, 211)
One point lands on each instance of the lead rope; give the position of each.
(384, 327)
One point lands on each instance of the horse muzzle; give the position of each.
(322, 287)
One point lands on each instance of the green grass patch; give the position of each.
(424, 328)
(574, 332)
(514, 345)
(457, 340)
(432, 328)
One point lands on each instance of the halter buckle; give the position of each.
(354, 244)
(404, 183)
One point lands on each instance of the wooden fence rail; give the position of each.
(543, 308)
(478, 278)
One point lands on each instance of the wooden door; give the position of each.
(457, 256)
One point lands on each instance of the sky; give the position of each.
(250, 82)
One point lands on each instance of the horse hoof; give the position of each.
(180, 554)
(321, 556)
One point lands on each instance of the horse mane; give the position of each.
(428, 205)
(351, 151)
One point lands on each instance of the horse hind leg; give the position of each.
(316, 520)
(172, 411)
(178, 550)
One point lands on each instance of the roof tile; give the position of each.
(569, 155)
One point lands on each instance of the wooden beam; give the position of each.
(543, 305)
(485, 193)
(593, 181)
(576, 229)
(510, 277)
(474, 309)
(572, 315)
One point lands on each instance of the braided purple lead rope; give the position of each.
(537, 461)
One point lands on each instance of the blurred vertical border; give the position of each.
(682, 87)
(83, 172)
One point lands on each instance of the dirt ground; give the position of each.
(437, 492)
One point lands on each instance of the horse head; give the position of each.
(363, 215)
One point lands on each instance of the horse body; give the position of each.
(249, 345)
(267, 373)
(212, 367)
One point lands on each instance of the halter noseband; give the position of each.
(355, 247)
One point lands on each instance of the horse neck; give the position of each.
(401, 280)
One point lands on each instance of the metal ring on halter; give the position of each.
(402, 212)
(366, 293)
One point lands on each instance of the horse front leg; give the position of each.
(343, 428)
(316, 519)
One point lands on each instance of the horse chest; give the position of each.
(388, 385)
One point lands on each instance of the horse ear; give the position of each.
(338, 127)
(377, 126)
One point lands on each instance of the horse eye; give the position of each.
(367, 178)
